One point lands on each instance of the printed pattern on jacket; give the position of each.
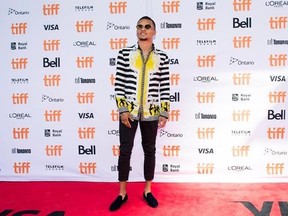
(142, 88)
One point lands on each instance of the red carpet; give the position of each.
(185, 199)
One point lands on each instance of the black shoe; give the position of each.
(151, 200)
(118, 202)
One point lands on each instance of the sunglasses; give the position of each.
(147, 26)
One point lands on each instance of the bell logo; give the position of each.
(18, 28)
(205, 133)
(243, 24)
(242, 5)
(20, 98)
(174, 115)
(206, 61)
(205, 97)
(118, 7)
(19, 63)
(275, 168)
(20, 133)
(85, 62)
(21, 167)
(278, 60)
(207, 168)
(277, 115)
(51, 9)
(51, 45)
(84, 26)
(240, 151)
(86, 133)
(241, 115)
(85, 97)
(277, 97)
(171, 43)
(52, 115)
(116, 150)
(174, 79)
(242, 42)
(52, 63)
(52, 80)
(171, 151)
(114, 115)
(278, 22)
(206, 24)
(171, 6)
(87, 168)
(276, 133)
(53, 150)
(241, 78)
(118, 43)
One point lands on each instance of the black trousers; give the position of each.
(148, 139)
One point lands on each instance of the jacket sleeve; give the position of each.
(119, 88)
(164, 87)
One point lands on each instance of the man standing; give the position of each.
(142, 90)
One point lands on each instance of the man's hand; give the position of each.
(125, 119)
(162, 122)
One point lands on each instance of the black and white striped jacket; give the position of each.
(142, 87)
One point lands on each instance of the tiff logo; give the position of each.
(112, 79)
(20, 98)
(118, 7)
(21, 167)
(114, 115)
(18, 28)
(205, 97)
(206, 24)
(277, 97)
(116, 150)
(85, 97)
(117, 43)
(240, 151)
(51, 45)
(242, 5)
(205, 133)
(171, 43)
(86, 133)
(87, 167)
(278, 22)
(277, 60)
(174, 115)
(53, 150)
(85, 62)
(52, 80)
(276, 133)
(174, 79)
(52, 115)
(51, 9)
(19, 63)
(241, 115)
(207, 168)
(275, 168)
(170, 6)
(206, 61)
(241, 78)
(84, 26)
(20, 133)
(171, 151)
(242, 42)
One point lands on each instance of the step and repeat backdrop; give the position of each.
(228, 73)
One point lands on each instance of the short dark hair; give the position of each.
(148, 18)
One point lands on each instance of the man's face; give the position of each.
(145, 30)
